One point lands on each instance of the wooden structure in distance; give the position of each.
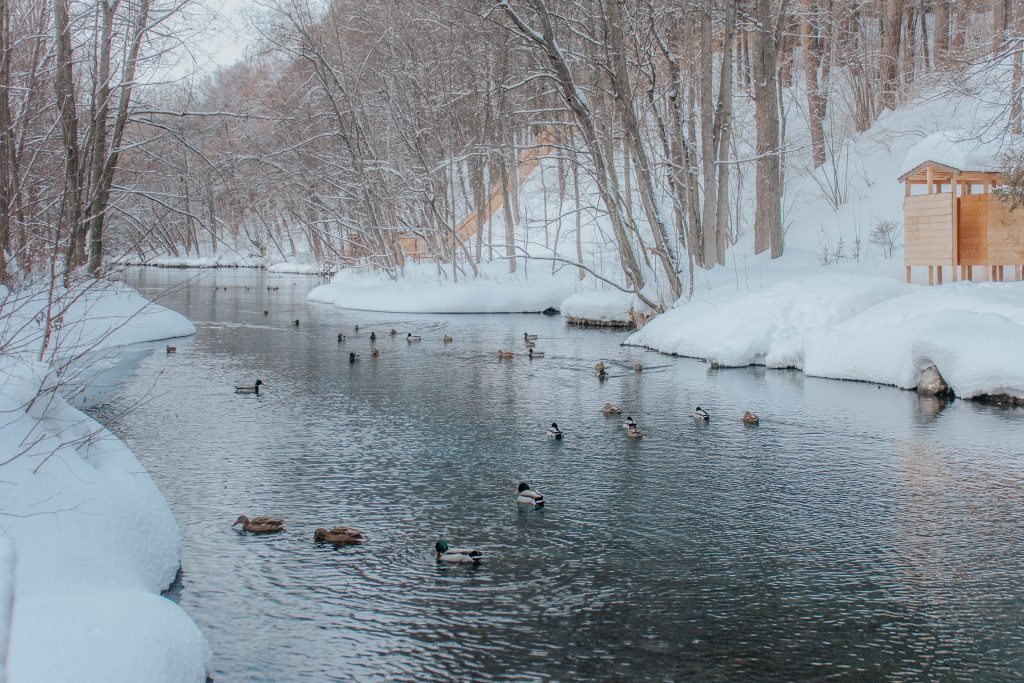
(959, 223)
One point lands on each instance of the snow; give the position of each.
(6, 601)
(874, 329)
(604, 306)
(419, 291)
(94, 539)
(960, 149)
(232, 260)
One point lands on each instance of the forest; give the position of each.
(355, 126)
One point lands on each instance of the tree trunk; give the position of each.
(770, 16)
(892, 32)
(813, 40)
(67, 109)
(941, 33)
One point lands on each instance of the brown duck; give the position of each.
(339, 535)
(260, 525)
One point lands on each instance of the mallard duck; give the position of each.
(295, 322)
(447, 340)
(528, 337)
(172, 349)
(638, 368)
(375, 353)
(254, 389)
(701, 414)
(456, 555)
(600, 367)
(630, 423)
(266, 312)
(505, 354)
(633, 432)
(536, 354)
(611, 409)
(352, 357)
(554, 432)
(260, 525)
(341, 337)
(527, 496)
(357, 328)
(373, 337)
(339, 535)
(750, 419)
(529, 344)
(393, 332)
(412, 337)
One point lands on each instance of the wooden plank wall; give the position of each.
(1005, 232)
(973, 229)
(928, 230)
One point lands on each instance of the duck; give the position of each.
(505, 354)
(341, 337)
(536, 354)
(638, 368)
(254, 389)
(528, 496)
(373, 337)
(412, 337)
(357, 328)
(630, 423)
(266, 312)
(352, 357)
(172, 349)
(600, 367)
(530, 344)
(393, 332)
(528, 337)
(750, 419)
(260, 525)
(447, 339)
(295, 322)
(339, 535)
(456, 555)
(611, 409)
(633, 432)
(554, 432)
(375, 353)
(701, 414)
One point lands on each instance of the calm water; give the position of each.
(857, 533)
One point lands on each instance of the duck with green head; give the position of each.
(456, 555)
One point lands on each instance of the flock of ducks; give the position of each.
(345, 535)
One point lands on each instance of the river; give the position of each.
(858, 532)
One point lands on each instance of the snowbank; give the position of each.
(231, 261)
(94, 539)
(874, 329)
(6, 601)
(419, 291)
(610, 307)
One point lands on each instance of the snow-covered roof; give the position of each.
(957, 149)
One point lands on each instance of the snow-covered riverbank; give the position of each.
(859, 327)
(297, 267)
(90, 541)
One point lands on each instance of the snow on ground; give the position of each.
(301, 267)
(6, 601)
(870, 328)
(604, 306)
(419, 291)
(94, 539)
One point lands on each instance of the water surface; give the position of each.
(858, 533)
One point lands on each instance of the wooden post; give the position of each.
(929, 180)
(1001, 274)
(931, 275)
(938, 275)
(908, 275)
(955, 214)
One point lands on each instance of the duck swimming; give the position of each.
(554, 432)
(339, 535)
(611, 409)
(352, 357)
(750, 419)
(536, 354)
(375, 353)
(447, 340)
(633, 432)
(456, 555)
(530, 344)
(527, 496)
(341, 337)
(528, 337)
(254, 389)
(505, 354)
(701, 414)
(260, 525)
(412, 337)
(373, 337)
(295, 322)
(172, 349)
(393, 332)
(600, 367)
(630, 423)
(638, 368)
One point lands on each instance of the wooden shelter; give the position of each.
(958, 222)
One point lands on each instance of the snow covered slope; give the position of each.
(92, 538)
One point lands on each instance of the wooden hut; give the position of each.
(957, 221)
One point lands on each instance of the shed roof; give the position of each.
(956, 151)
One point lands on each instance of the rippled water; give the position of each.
(859, 532)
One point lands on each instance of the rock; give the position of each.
(930, 383)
